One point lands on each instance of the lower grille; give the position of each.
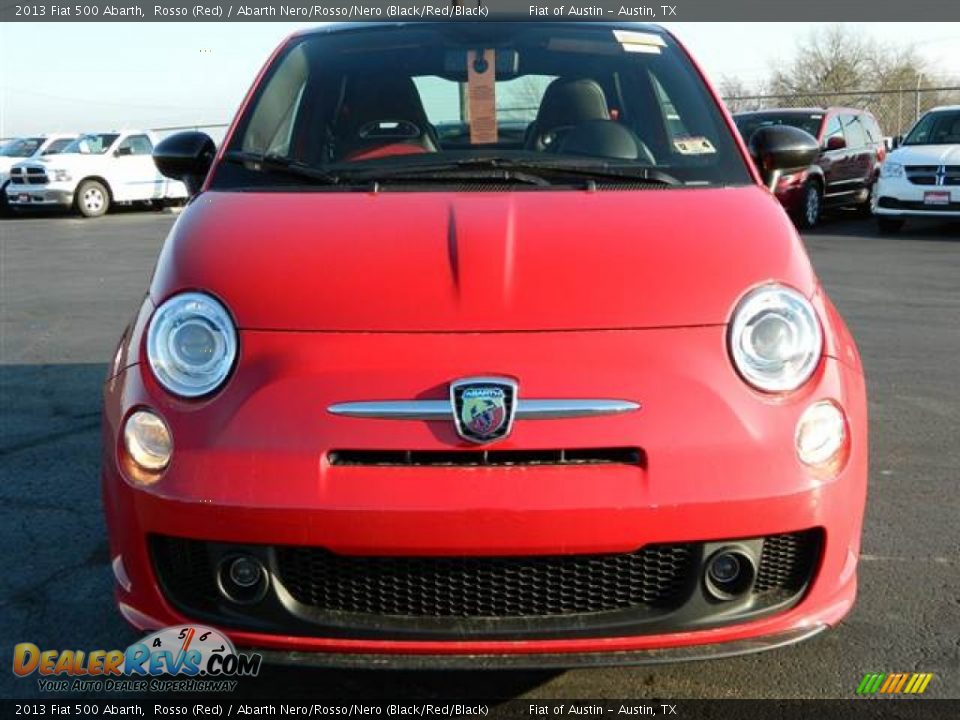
(486, 458)
(656, 576)
(185, 571)
(787, 562)
(313, 592)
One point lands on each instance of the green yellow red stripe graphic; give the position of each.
(894, 683)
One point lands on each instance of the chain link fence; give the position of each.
(896, 110)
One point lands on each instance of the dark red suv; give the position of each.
(852, 151)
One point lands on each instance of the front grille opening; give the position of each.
(657, 576)
(314, 592)
(487, 458)
(787, 562)
(184, 569)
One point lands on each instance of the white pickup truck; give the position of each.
(92, 173)
(28, 148)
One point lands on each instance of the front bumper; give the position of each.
(49, 195)
(898, 197)
(252, 468)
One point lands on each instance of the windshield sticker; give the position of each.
(482, 95)
(694, 146)
(639, 42)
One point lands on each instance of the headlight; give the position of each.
(891, 169)
(191, 344)
(61, 175)
(775, 339)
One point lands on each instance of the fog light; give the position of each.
(730, 573)
(148, 440)
(245, 572)
(725, 568)
(821, 434)
(242, 579)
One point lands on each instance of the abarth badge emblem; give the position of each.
(483, 408)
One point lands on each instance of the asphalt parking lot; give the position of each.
(68, 287)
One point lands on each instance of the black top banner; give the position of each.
(473, 10)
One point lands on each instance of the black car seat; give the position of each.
(567, 102)
(606, 139)
(379, 116)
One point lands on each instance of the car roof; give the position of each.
(123, 131)
(944, 108)
(820, 110)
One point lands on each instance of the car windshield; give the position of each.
(749, 123)
(22, 147)
(532, 103)
(95, 144)
(936, 128)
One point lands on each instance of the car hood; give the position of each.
(63, 160)
(926, 155)
(481, 261)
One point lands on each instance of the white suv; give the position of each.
(26, 148)
(921, 178)
(93, 172)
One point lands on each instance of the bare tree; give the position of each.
(839, 59)
(736, 94)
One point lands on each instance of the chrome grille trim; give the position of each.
(441, 409)
(933, 175)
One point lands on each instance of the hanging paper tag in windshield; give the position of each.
(482, 95)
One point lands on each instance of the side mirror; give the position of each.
(780, 148)
(123, 151)
(186, 157)
(897, 141)
(836, 142)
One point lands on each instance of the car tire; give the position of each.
(92, 199)
(865, 209)
(811, 206)
(889, 226)
(5, 209)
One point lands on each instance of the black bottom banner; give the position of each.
(707, 709)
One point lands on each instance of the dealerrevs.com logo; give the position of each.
(190, 658)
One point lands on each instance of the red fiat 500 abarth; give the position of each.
(486, 344)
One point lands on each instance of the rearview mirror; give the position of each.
(186, 157)
(781, 148)
(507, 64)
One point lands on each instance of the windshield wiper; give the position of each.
(281, 165)
(533, 171)
(447, 172)
(523, 170)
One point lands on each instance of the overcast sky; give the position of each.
(101, 76)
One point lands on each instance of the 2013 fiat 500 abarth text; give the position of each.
(486, 344)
